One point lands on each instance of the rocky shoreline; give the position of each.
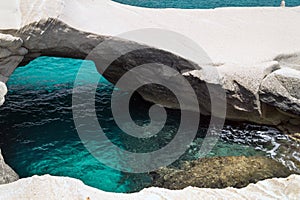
(53, 188)
(261, 82)
(265, 92)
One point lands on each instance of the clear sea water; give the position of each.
(192, 4)
(38, 135)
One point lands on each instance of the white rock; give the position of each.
(3, 91)
(9, 41)
(52, 188)
(239, 35)
(282, 90)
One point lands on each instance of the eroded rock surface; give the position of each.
(219, 172)
(254, 92)
(281, 89)
(11, 55)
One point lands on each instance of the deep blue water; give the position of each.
(38, 136)
(190, 4)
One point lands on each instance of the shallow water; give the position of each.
(38, 135)
(191, 4)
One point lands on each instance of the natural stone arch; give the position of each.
(52, 37)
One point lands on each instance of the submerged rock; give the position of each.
(7, 174)
(219, 172)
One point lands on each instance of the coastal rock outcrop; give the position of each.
(53, 188)
(246, 87)
(219, 172)
(280, 95)
(260, 86)
(7, 174)
(245, 73)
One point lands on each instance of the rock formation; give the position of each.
(7, 174)
(3, 91)
(254, 50)
(11, 54)
(247, 76)
(219, 172)
(53, 188)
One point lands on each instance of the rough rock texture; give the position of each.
(280, 94)
(7, 174)
(53, 188)
(219, 172)
(11, 54)
(241, 85)
(281, 89)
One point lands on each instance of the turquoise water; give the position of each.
(38, 136)
(190, 4)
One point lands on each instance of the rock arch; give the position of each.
(250, 95)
